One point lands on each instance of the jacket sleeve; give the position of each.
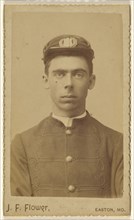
(117, 168)
(20, 178)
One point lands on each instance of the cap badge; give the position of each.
(68, 42)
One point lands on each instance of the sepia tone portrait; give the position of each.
(66, 127)
(69, 153)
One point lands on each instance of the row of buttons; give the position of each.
(71, 188)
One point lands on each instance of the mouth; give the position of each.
(68, 98)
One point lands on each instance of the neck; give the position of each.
(68, 113)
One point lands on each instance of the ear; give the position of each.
(92, 80)
(45, 78)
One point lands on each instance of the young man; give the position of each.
(69, 153)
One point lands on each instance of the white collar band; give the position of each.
(66, 120)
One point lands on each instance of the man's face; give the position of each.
(69, 79)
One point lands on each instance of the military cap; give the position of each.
(67, 45)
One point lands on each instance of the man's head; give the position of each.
(68, 73)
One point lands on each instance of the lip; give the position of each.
(68, 96)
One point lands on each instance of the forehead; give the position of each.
(68, 62)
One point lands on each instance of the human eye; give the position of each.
(59, 74)
(79, 75)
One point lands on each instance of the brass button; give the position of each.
(68, 131)
(71, 188)
(69, 158)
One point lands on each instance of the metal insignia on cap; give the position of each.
(68, 42)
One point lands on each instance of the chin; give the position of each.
(68, 107)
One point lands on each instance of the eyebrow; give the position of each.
(79, 70)
(73, 71)
(59, 70)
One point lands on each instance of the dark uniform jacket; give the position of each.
(85, 160)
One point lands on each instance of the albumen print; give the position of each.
(67, 110)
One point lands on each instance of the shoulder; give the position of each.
(32, 132)
(103, 129)
(110, 138)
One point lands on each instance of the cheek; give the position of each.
(82, 87)
(53, 84)
(82, 91)
(54, 81)
(54, 87)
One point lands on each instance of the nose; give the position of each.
(68, 81)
